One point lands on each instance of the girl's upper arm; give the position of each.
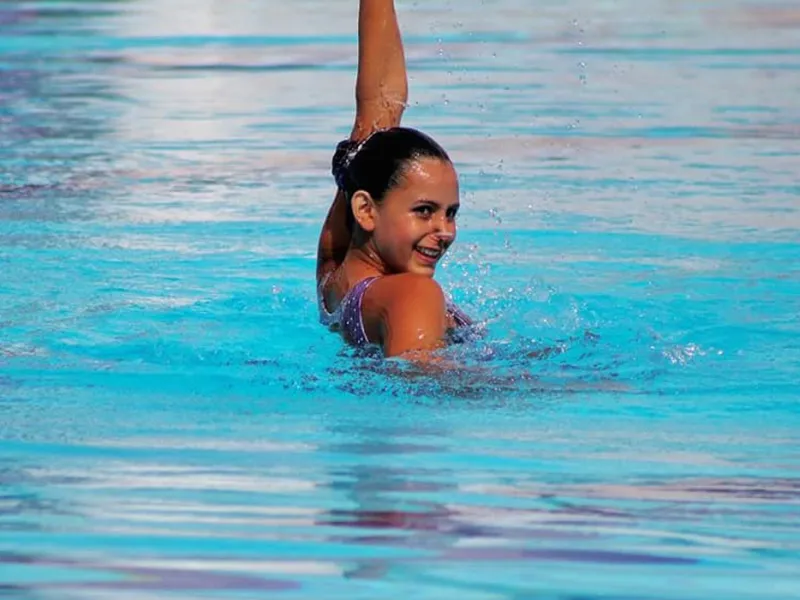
(413, 320)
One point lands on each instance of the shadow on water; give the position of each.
(562, 529)
(54, 114)
(22, 512)
(401, 491)
(537, 522)
(120, 578)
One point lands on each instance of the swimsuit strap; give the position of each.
(350, 318)
(347, 316)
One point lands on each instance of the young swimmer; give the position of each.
(394, 214)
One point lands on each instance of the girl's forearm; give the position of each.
(334, 240)
(382, 82)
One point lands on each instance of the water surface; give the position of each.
(176, 424)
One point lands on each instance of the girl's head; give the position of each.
(403, 194)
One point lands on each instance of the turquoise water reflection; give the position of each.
(175, 423)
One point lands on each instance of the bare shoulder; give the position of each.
(398, 293)
(405, 312)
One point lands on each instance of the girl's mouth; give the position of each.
(428, 255)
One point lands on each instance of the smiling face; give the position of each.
(416, 221)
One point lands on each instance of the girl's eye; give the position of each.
(451, 214)
(425, 211)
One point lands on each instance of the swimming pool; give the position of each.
(175, 423)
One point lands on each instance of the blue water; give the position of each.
(174, 423)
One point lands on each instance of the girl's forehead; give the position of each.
(428, 173)
(431, 165)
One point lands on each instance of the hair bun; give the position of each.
(346, 150)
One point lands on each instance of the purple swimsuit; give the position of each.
(347, 317)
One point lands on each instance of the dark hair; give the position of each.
(377, 164)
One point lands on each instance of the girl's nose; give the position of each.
(446, 233)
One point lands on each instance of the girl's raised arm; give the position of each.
(381, 96)
(382, 82)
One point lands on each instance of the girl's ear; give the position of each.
(364, 209)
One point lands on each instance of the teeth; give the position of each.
(428, 252)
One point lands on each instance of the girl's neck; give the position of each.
(362, 260)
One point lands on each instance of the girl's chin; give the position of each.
(426, 270)
(417, 267)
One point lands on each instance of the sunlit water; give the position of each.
(176, 424)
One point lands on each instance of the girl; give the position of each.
(394, 214)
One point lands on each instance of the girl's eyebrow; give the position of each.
(435, 203)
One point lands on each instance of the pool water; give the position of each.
(174, 422)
